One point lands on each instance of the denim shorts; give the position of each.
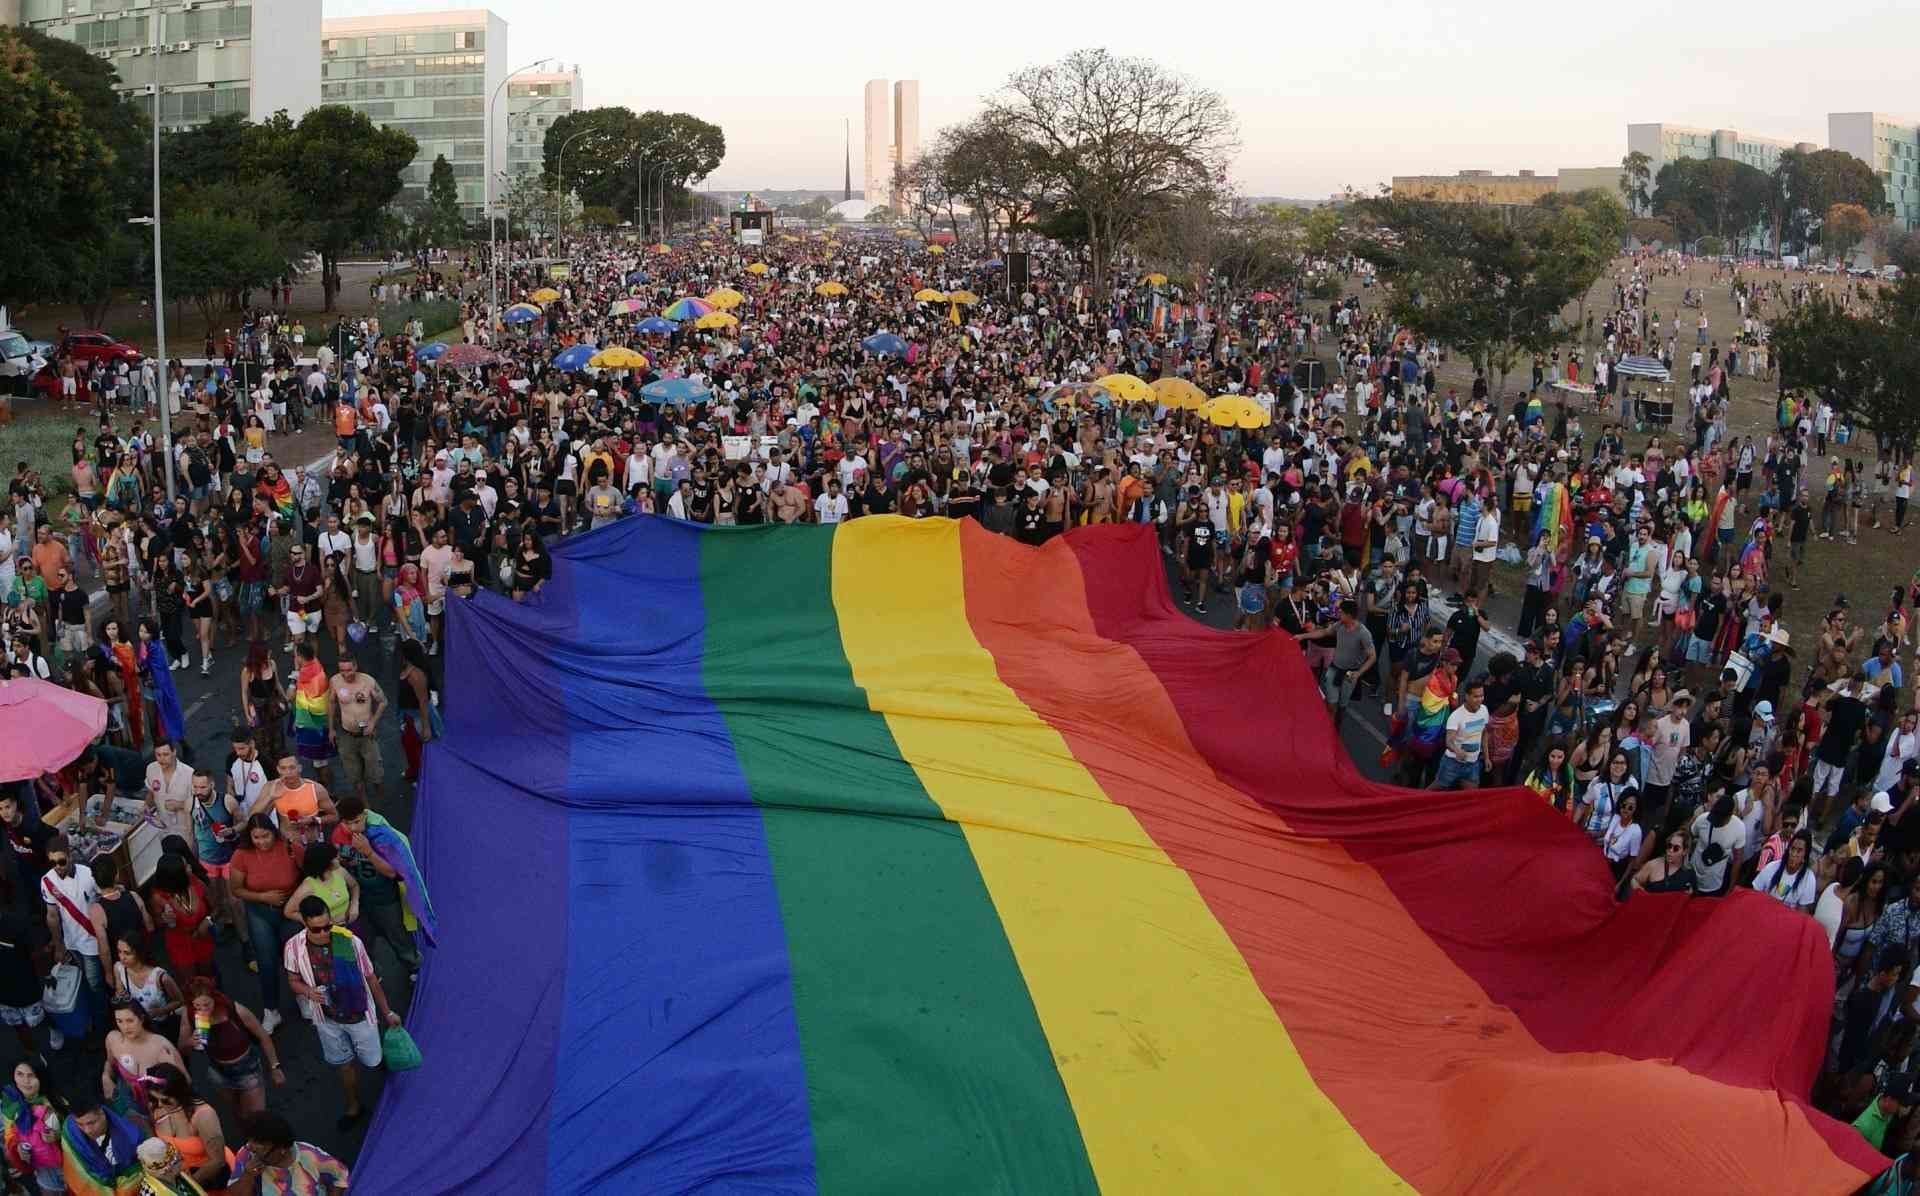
(242, 1075)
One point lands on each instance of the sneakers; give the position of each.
(271, 1021)
(55, 1039)
(1201, 607)
(206, 666)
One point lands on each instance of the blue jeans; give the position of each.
(1453, 774)
(267, 932)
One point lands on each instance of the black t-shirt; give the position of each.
(29, 842)
(963, 504)
(1030, 526)
(1200, 541)
(1802, 517)
(1463, 636)
(1845, 716)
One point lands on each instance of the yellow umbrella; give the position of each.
(1125, 387)
(929, 295)
(758, 268)
(619, 357)
(726, 298)
(829, 289)
(717, 319)
(659, 248)
(706, 244)
(544, 296)
(1178, 392)
(1155, 279)
(1252, 415)
(936, 250)
(966, 297)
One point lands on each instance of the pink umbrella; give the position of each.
(44, 727)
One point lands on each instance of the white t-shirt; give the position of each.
(1486, 535)
(1470, 725)
(1731, 837)
(245, 781)
(79, 890)
(831, 508)
(1622, 841)
(173, 798)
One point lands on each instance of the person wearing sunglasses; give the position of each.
(68, 890)
(339, 992)
(1669, 871)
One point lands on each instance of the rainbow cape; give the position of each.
(394, 847)
(310, 699)
(1423, 724)
(279, 492)
(86, 1168)
(896, 856)
(1554, 520)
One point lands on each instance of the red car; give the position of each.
(82, 345)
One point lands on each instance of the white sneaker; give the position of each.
(55, 1039)
(271, 1022)
(206, 666)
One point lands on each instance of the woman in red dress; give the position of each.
(179, 903)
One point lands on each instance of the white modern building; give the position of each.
(1892, 147)
(431, 75)
(213, 57)
(535, 99)
(877, 178)
(906, 130)
(1664, 143)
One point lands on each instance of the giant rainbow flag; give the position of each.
(899, 857)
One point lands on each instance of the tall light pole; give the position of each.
(660, 195)
(486, 188)
(560, 184)
(159, 286)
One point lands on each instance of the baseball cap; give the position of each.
(1882, 801)
(1450, 656)
(1763, 710)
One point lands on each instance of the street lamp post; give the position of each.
(486, 187)
(560, 184)
(159, 286)
(660, 196)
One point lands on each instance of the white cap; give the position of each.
(1882, 802)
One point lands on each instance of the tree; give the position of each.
(211, 254)
(1584, 229)
(1811, 183)
(1649, 229)
(113, 115)
(604, 164)
(1843, 227)
(1720, 195)
(1866, 362)
(1636, 177)
(443, 223)
(343, 171)
(1491, 287)
(1898, 247)
(995, 171)
(599, 217)
(55, 201)
(880, 214)
(1114, 138)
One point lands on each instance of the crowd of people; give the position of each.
(1535, 588)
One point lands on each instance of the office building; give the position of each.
(877, 178)
(1892, 147)
(1663, 143)
(431, 75)
(906, 130)
(1574, 179)
(214, 56)
(535, 99)
(1475, 186)
(893, 138)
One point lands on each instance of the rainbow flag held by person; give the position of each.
(279, 492)
(952, 864)
(310, 713)
(395, 848)
(1422, 727)
(1554, 520)
(88, 1171)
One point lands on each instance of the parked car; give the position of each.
(88, 344)
(19, 362)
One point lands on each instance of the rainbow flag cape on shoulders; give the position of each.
(946, 864)
(86, 1168)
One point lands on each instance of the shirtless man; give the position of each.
(355, 703)
(1053, 506)
(1100, 497)
(788, 505)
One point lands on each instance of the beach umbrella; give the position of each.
(676, 392)
(636, 276)
(1236, 411)
(686, 308)
(618, 357)
(717, 319)
(1075, 394)
(544, 296)
(1155, 280)
(656, 326)
(659, 248)
(574, 357)
(993, 263)
(936, 250)
(758, 268)
(929, 295)
(885, 344)
(1126, 388)
(625, 307)
(430, 352)
(521, 313)
(44, 727)
(828, 289)
(706, 244)
(1178, 392)
(1264, 296)
(966, 297)
(462, 357)
(726, 298)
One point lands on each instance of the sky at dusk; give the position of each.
(1327, 95)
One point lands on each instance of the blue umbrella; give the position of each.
(676, 392)
(521, 315)
(656, 324)
(636, 276)
(430, 352)
(993, 263)
(573, 357)
(885, 344)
